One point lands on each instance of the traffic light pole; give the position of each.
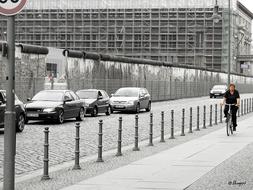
(10, 129)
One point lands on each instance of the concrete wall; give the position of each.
(29, 73)
(164, 81)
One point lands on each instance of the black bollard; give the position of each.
(172, 125)
(211, 116)
(190, 124)
(238, 111)
(198, 129)
(46, 155)
(151, 131)
(77, 151)
(241, 107)
(136, 146)
(119, 153)
(245, 107)
(215, 116)
(162, 127)
(100, 142)
(183, 119)
(221, 115)
(204, 118)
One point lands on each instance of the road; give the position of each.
(29, 156)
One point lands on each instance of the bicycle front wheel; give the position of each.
(228, 127)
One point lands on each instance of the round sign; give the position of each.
(11, 7)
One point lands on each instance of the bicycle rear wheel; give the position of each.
(228, 127)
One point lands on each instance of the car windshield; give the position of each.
(127, 92)
(87, 94)
(219, 87)
(49, 96)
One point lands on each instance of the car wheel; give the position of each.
(109, 110)
(94, 112)
(149, 107)
(138, 108)
(20, 125)
(211, 96)
(60, 118)
(81, 115)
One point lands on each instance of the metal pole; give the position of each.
(162, 127)
(211, 116)
(198, 129)
(136, 137)
(77, 151)
(119, 153)
(190, 126)
(151, 131)
(172, 125)
(183, 118)
(216, 115)
(46, 156)
(10, 130)
(204, 118)
(229, 41)
(100, 142)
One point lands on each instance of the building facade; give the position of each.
(178, 31)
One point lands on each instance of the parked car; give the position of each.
(131, 99)
(55, 104)
(96, 101)
(19, 108)
(218, 90)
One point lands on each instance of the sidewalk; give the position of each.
(176, 168)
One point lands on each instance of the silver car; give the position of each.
(131, 99)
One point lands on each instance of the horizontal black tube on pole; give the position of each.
(33, 49)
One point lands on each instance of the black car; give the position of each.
(55, 105)
(96, 101)
(19, 108)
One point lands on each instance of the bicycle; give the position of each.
(229, 127)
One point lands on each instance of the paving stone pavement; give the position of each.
(29, 156)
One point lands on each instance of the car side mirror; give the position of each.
(100, 97)
(29, 99)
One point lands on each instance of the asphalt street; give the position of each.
(29, 156)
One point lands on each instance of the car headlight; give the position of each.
(86, 104)
(49, 110)
(131, 102)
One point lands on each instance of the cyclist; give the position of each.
(232, 96)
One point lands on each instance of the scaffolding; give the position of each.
(184, 34)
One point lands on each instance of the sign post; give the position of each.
(10, 8)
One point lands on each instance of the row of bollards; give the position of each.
(246, 107)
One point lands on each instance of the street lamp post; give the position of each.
(216, 18)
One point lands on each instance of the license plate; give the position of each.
(119, 106)
(217, 94)
(32, 115)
